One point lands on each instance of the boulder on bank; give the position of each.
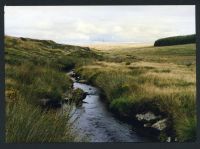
(146, 117)
(154, 125)
(72, 74)
(150, 120)
(160, 125)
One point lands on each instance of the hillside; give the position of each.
(20, 50)
(176, 40)
(35, 73)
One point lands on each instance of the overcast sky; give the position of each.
(90, 24)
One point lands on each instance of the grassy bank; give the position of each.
(34, 72)
(161, 80)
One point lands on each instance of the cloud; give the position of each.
(89, 28)
(80, 24)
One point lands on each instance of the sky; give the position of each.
(94, 24)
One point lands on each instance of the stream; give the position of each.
(97, 123)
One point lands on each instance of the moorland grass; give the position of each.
(34, 71)
(26, 85)
(153, 83)
(134, 80)
(26, 123)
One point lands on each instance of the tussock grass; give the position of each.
(187, 128)
(34, 71)
(36, 82)
(28, 124)
(159, 82)
(26, 85)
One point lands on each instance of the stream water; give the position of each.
(97, 123)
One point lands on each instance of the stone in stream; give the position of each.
(146, 116)
(150, 120)
(160, 125)
(168, 139)
(82, 81)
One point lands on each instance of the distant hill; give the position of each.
(9, 40)
(176, 40)
(19, 50)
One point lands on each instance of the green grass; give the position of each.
(28, 124)
(34, 71)
(37, 82)
(187, 128)
(159, 81)
(134, 80)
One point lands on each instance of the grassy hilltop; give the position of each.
(177, 40)
(133, 80)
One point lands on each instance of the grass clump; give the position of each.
(128, 63)
(28, 124)
(25, 120)
(186, 128)
(37, 82)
